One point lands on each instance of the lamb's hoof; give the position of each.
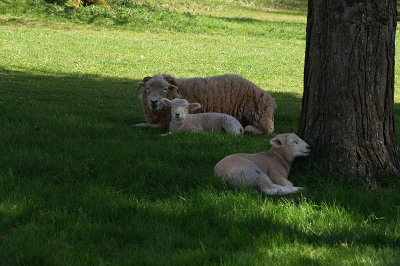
(140, 125)
(166, 134)
(253, 130)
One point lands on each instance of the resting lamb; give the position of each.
(229, 94)
(183, 121)
(266, 171)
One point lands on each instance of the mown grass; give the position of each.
(79, 185)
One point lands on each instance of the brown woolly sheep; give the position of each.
(229, 94)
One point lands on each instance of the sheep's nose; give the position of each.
(177, 115)
(308, 147)
(153, 102)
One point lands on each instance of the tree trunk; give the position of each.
(347, 110)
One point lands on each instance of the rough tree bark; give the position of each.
(347, 110)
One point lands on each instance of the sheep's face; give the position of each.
(156, 88)
(270, 123)
(293, 145)
(270, 114)
(180, 108)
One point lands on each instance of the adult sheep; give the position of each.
(229, 94)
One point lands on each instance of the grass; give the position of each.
(79, 185)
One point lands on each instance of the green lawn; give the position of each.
(80, 185)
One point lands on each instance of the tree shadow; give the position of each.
(260, 21)
(72, 134)
(53, 108)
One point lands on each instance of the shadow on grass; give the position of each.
(246, 20)
(69, 145)
(93, 116)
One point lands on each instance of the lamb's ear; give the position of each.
(194, 106)
(277, 141)
(166, 102)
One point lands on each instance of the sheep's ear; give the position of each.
(166, 102)
(141, 84)
(173, 87)
(194, 106)
(278, 141)
(145, 79)
(169, 79)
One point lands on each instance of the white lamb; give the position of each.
(266, 171)
(183, 121)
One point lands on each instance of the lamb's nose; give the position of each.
(153, 102)
(177, 115)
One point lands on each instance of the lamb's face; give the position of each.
(156, 88)
(179, 109)
(292, 144)
(298, 146)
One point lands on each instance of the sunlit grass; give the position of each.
(79, 185)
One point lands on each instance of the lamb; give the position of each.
(183, 121)
(266, 171)
(229, 94)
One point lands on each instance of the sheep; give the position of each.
(266, 171)
(229, 94)
(183, 121)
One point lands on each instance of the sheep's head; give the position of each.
(292, 145)
(180, 108)
(270, 113)
(157, 87)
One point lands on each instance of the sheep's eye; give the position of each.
(165, 89)
(295, 142)
(147, 89)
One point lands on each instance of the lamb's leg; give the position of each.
(232, 128)
(279, 190)
(241, 172)
(166, 134)
(245, 173)
(159, 125)
(253, 130)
